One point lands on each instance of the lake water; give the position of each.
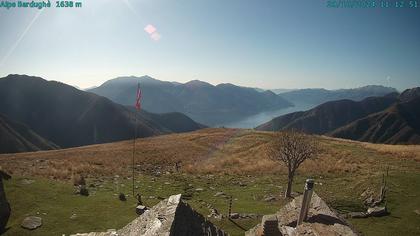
(260, 118)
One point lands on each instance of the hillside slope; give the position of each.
(70, 117)
(329, 116)
(199, 100)
(399, 124)
(16, 137)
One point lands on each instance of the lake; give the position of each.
(260, 118)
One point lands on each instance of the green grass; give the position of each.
(403, 199)
(55, 202)
(345, 171)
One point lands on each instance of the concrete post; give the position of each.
(307, 195)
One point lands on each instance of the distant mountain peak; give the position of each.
(198, 83)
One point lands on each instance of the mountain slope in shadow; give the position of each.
(329, 116)
(70, 117)
(16, 137)
(399, 124)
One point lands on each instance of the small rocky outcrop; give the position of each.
(321, 220)
(31, 222)
(170, 217)
(4, 204)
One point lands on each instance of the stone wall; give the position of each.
(170, 217)
(321, 220)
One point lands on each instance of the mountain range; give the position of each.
(398, 124)
(69, 117)
(316, 96)
(393, 119)
(203, 102)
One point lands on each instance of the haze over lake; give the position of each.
(260, 118)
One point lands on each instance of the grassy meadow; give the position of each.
(212, 160)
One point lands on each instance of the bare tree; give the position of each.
(292, 148)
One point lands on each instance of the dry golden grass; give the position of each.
(216, 151)
(399, 151)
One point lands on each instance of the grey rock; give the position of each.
(218, 194)
(27, 181)
(357, 215)
(234, 215)
(140, 209)
(31, 222)
(377, 211)
(417, 212)
(269, 199)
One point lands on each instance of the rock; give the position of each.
(83, 191)
(31, 222)
(73, 216)
(377, 211)
(122, 197)
(140, 209)
(417, 212)
(357, 215)
(234, 215)
(4, 204)
(199, 189)
(214, 214)
(27, 181)
(218, 194)
(269, 199)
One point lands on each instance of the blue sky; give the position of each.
(268, 44)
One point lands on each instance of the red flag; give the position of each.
(138, 97)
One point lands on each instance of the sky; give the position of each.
(255, 43)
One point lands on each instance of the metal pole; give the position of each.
(134, 147)
(230, 206)
(307, 195)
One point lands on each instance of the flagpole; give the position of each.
(137, 108)
(134, 146)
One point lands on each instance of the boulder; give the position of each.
(31, 222)
(377, 211)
